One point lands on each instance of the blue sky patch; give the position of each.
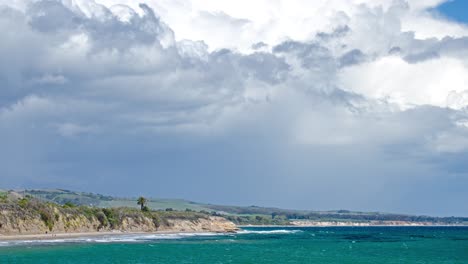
(456, 10)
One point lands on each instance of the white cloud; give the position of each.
(72, 130)
(437, 82)
(274, 21)
(429, 25)
(50, 79)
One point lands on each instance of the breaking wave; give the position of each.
(107, 239)
(135, 238)
(278, 231)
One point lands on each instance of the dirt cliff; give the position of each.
(33, 217)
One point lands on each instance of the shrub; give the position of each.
(156, 220)
(111, 217)
(69, 205)
(23, 202)
(3, 197)
(214, 213)
(47, 219)
(102, 218)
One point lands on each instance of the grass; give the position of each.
(159, 204)
(79, 198)
(257, 220)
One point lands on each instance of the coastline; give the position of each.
(52, 236)
(117, 233)
(58, 235)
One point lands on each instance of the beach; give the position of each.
(53, 236)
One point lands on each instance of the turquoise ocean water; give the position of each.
(379, 245)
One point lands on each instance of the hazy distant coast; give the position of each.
(357, 224)
(370, 223)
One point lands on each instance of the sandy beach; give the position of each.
(86, 234)
(60, 235)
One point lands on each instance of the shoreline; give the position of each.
(52, 236)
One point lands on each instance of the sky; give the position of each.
(454, 10)
(327, 104)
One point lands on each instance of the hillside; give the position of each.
(30, 216)
(90, 199)
(252, 215)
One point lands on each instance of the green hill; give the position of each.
(91, 199)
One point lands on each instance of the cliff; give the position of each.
(30, 217)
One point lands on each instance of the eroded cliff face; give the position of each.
(208, 224)
(13, 222)
(50, 219)
(211, 224)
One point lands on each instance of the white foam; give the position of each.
(134, 238)
(137, 238)
(277, 231)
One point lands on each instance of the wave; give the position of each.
(277, 231)
(2, 244)
(134, 238)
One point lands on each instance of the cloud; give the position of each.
(171, 92)
(394, 79)
(71, 130)
(275, 21)
(50, 79)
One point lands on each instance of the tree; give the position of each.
(273, 215)
(142, 202)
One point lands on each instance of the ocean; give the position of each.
(377, 245)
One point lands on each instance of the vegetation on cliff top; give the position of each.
(28, 207)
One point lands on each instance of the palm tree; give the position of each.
(142, 202)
